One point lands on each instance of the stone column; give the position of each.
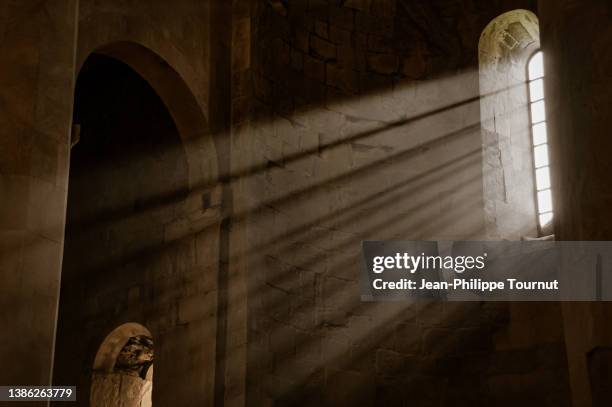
(576, 37)
(37, 42)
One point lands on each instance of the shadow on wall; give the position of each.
(366, 125)
(319, 166)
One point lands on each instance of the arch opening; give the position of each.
(184, 108)
(129, 178)
(505, 46)
(123, 369)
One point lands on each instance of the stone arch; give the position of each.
(185, 110)
(113, 283)
(113, 343)
(510, 35)
(128, 385)
(504, 49)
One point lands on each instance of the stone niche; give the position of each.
(123, 369)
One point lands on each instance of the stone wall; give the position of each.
(578, 60)
(140, 246)
(505, 47)
(120, 390)
(332, 122)
(365, 125)
(37, 46)
(151, 253)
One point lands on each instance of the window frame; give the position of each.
(543, 229)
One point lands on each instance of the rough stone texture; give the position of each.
(140, 246)
(37, 46)
(510, 211)
(332, 122)
(381, 142)
(120, 390)
(136, 356)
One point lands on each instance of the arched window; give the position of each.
(123, 368)
(505, 49)
(537, 114)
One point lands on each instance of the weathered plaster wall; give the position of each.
(36, 79)
(366, 125)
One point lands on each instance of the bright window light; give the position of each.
(539, 133)
(536, 90)
(546, 218)
(539, 137)
(540, 155)
(542, 178)
(544, 201)
(536, 66)
(537, 111)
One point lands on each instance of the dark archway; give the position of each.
(128, 178)
(141, 235)
(178, 98)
